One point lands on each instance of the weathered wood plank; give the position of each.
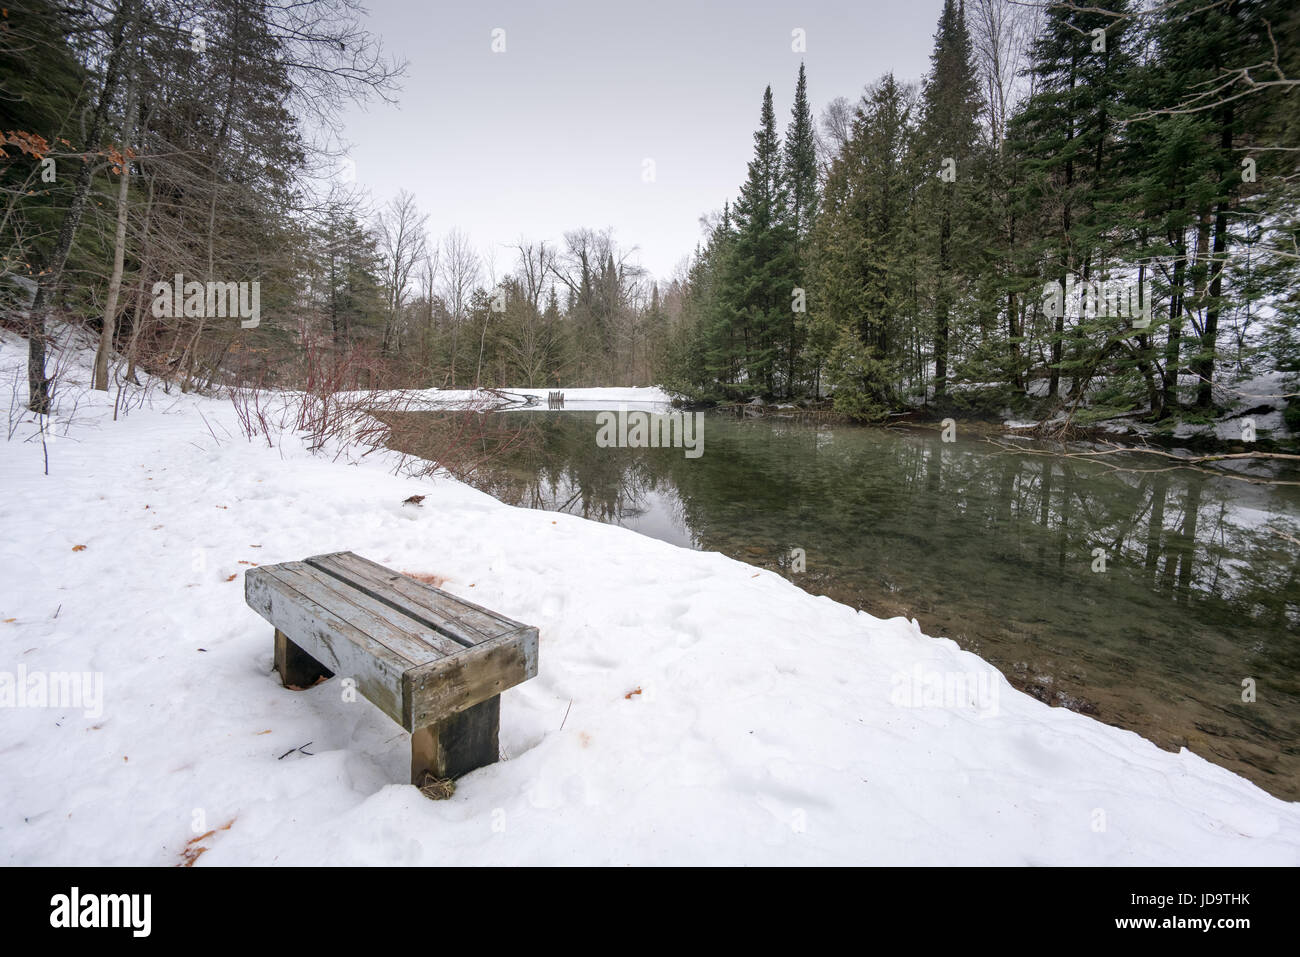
(405, 637)
(458, 744)
(453, 684)
(297, 668)
(460, 620)
(432, 662)
(409, 597)
(333, 642)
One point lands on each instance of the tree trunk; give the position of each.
(482, 339)
(38, 386)
(119, 250)
(1013, 341)
(1058, 344)
(941, 310)
(137, 320)
(1209, 335)
(1169, 401)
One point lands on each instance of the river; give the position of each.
(1190, 609)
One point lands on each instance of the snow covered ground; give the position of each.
(689, 708)
(652, 398)
(1255, 401)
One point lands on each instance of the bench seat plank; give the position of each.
(409, 637)
(460, 620)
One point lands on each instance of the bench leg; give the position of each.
(296, 667)
(458, 744)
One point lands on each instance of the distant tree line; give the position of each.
(440, 314)
(148, 139)
(894, 251)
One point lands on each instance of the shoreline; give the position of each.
(738, 726)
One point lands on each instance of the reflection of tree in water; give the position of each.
(916, 505)
(1040, 517)
(562, 469)
(995, 551)
(465, 442)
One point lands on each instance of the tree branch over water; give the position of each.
(1193, 462)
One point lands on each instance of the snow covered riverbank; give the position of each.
(689, 708)
(649, 398)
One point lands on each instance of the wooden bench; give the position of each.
(433, 663)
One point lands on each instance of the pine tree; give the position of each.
(1080, 64)
(720, 349)
(948, 141)
(761, 275)
(801, 162)
(349, 267)
(801, 173)
(41, 80)
(862, 257)
(1200, 47)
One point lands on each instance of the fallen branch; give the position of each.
(1192, 462)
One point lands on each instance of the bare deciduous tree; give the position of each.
(461, 270)
(999, 31)
(401, 230)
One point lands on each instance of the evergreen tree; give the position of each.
(720, 348)
(1080, 64)
(801, 162)
(948, 141)
(801, 173)
(863, 256)
(761, 274)
(41, 81)
(353, 301)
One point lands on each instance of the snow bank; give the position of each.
(689, 708)
(1259, 399)
(642, 397)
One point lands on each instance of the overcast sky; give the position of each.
(554, 132)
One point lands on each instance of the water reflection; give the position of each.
(994, 549)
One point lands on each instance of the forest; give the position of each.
(896, 251)
(902, 251)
